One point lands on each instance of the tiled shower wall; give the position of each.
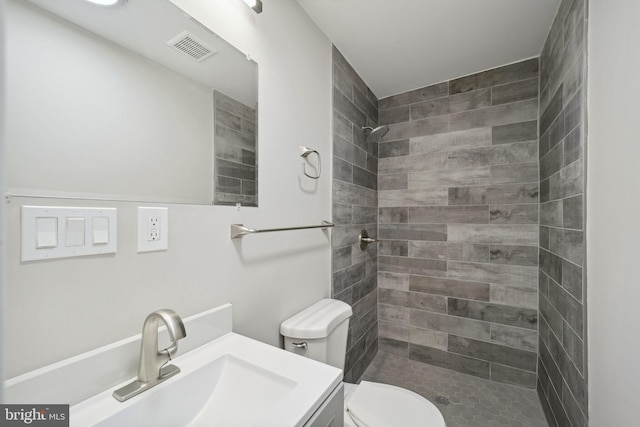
(355, 207)
(562, 362)
(458, 212)
(235, 152)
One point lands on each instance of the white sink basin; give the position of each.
(232, 381)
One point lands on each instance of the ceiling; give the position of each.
(399, 45)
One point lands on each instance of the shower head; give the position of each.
(374, 134)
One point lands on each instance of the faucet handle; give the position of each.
(171, 350)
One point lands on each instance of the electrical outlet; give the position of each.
(153, 229)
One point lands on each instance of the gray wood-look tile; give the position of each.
(515, 296)
(469, 100)
(450, 287)
(342, 81)
(471, 82)
(425, 267)
(432, 108)
(348, 109)
(572, 279)
(341, 258)
(430, 250)
(341, 214)
(551, 213)
(365, 215)
(362, 288)
(494, 353)
(342, 170)
(573, 146)
(508, 375)
(365, 178)
(513, 173)
(552, 162)
(397, 198)
(398, 181)
(572, 213)
(340, 60)
(514, 255)
(569, 244)
(393, 331)
(521, 152)
(569, 308)
(398, 281)
(551, 112)
(451, 324)
(444, 359)
(428, 338)
(394, 297)
(517, 91)
(449, 214)
(551, 316)
(568, 182)
(494, 313)
(393, 248)
(349, 152)
(432, 232)
(344, 192)
(397, 215)
(493, 116)
(522, 70)
(434, 303)
(361, 101)
(428, 126)
(516, 234)
(494, 273)
(393, 148)
(437, 179)
(342, 126)
(393, 314)
(574, 345)
(544, 237)
(345, 278)
(524, 339)
(394, 115)
(228, 185)
(515, 132)
(550, 264)
(418, 163)
(556, 130)
(470, 138)
(494, 194)
(513, 214)
(418, 95)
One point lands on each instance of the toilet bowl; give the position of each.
(320, 332)
(372, 404)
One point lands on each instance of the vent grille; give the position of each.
(189, 45)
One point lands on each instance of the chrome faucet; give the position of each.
(153, 367)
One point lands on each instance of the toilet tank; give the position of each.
(319, 332)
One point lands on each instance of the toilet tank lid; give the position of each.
(317, 321)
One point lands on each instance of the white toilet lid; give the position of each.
(382, 405)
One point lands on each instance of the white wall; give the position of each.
(613, 204)
(2, 169)
(56, 309)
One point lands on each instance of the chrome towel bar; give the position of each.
(239, 230)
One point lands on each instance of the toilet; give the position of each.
(320, 333)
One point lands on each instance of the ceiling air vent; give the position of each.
(188, 44)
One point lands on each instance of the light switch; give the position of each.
(100, 230)
(74, 232)
(47, 232)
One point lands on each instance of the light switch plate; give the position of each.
(71, 235)
(153, 229)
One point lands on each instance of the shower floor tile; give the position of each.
(464, 400)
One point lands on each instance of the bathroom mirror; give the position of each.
(134, 101)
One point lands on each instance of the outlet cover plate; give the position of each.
(145, 214)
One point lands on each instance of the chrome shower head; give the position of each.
(374, 134)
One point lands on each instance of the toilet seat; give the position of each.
(381, 405)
